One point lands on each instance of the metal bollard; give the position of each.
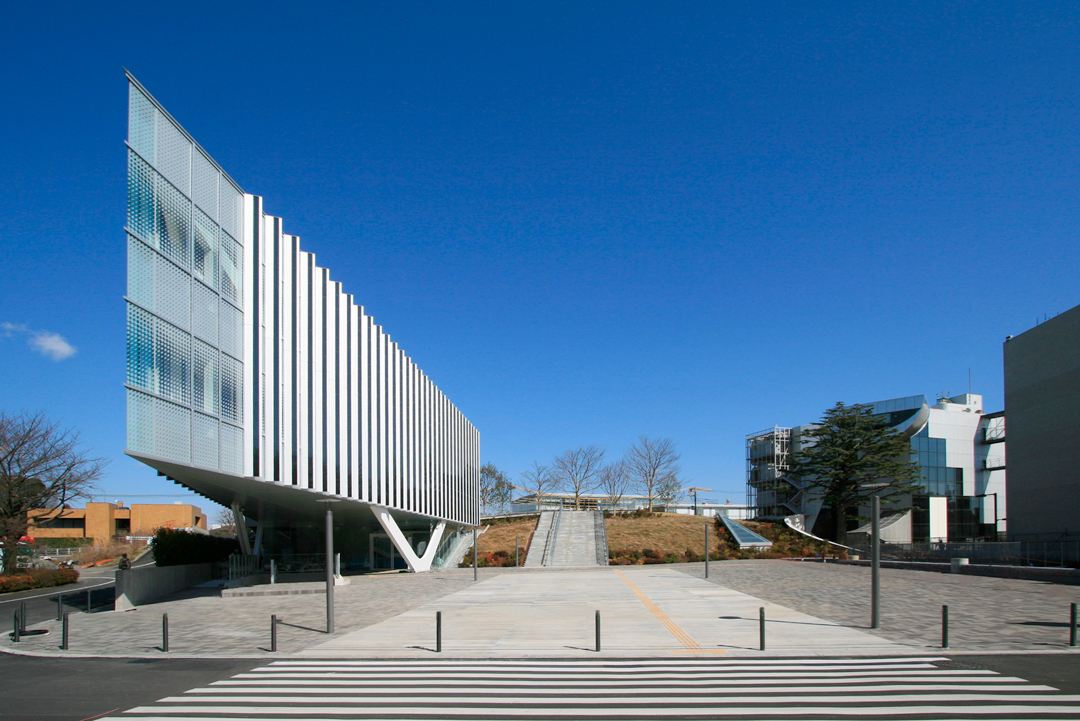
(761, 627)
(165, 632)
(22, 617)
(273, 634)
(273, 571)
(88, 601)
(706, 550)
(15, 630)
(64, 634)
(598, 632)
(944, 626)
(59, 607)
(438, 632)
(1072, 624)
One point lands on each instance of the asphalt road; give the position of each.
(41, 602)
(73, 689)
(82, 689)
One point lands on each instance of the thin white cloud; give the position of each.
(49, 344)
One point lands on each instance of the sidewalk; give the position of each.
(656, 611)
(645, 612)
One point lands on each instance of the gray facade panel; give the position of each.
(1042, 408)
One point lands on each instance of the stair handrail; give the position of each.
(601, 539)
(549, 546)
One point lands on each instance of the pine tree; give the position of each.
(851, 456)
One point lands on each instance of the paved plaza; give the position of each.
(985, 613)
(666, 611)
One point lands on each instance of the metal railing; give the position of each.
(1012, 553)
(240, 566)
(549, 544)
(600, 535)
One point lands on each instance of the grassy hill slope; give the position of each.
(641, 538)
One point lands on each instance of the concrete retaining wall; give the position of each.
(146, 584)
(1026, 573)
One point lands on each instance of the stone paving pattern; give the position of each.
(985, 614)
(201, 622)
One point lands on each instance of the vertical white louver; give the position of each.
(245, 358)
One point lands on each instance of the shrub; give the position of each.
(174, 547)
(16, 583)
(62, 543)
(37, 578)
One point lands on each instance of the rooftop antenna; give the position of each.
(969, 381)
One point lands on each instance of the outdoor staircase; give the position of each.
(575, 544)
(566, 539)
(539, 543)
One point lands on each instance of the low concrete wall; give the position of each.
(146, 584)
(1025, 573)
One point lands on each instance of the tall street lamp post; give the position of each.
(329, 562)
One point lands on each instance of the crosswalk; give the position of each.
(891, 689)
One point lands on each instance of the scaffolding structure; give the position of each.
(768, 493)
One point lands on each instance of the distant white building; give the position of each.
(959, 448)
(595, 501)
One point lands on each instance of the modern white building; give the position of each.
(257, 381)
(959, 449)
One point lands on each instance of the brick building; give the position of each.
(104, 521)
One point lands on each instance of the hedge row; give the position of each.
(38, 578)
(496, 559)
(173, 547)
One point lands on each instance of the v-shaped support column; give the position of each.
(417, 564)
(241, 529)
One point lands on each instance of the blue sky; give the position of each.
(585, 222)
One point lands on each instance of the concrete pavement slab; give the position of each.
(650, 611)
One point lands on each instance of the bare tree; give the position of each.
(539, 481)
(614, 482)
(651, 461)
(226, 522)
(41, 467)
(495, 487)
(577, 470)
(669, 490)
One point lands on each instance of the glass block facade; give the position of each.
(246, 361)
(185, 270)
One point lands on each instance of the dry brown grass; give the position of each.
(501, 535)
(665, 533)
(103, 554)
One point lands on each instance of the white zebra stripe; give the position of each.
(525, 691)
(422, 690)
(643, 662)
(598, 678)
(311, 713)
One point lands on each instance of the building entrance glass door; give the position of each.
(383, 554)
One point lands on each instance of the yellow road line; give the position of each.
(681, 635)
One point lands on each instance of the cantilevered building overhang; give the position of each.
(256, 381)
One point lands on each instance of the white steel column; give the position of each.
(417, 564)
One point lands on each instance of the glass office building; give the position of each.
(960, 452)
(255, 380)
